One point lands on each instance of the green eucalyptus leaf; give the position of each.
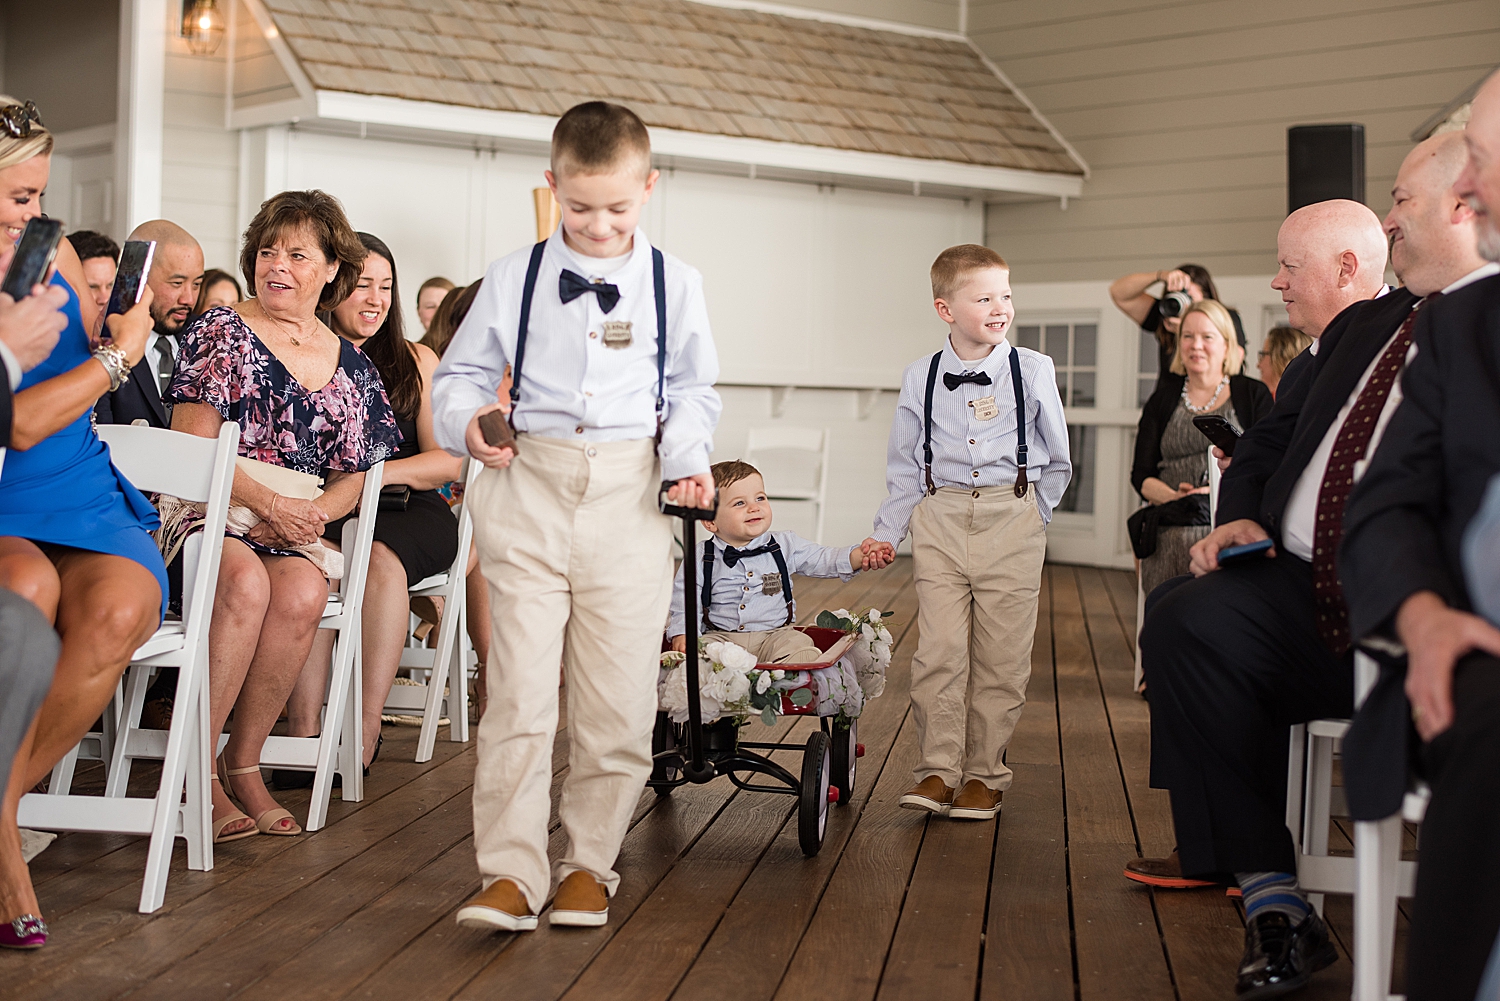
(801, 697)
(768, 716)
(827, 620)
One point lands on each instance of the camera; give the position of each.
(1175, 304)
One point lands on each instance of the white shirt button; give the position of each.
(579, 430)
(593, 335)
(593, 452)
(976, 474)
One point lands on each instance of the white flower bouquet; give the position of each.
(871, 653)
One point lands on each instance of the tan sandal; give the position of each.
(220, 837)
(264, 823)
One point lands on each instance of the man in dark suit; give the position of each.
(1403, 576)
(176, 272)
(1236, 656)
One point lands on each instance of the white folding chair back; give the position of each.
(448, 663)
(1376, 875)
(1213, 488)
(339, 747)
(193, 469)
(782, 485)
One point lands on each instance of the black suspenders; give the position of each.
(772, 547)
(1015, 382)
(659, 283)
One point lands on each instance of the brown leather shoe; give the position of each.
(930, 794)
(581, 902)
(1162, 873)
(156, 714)
(501, 906)
(975, 801)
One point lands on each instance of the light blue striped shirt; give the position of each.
(740, 601)
(967, 452)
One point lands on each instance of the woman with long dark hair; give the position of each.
(416, 535)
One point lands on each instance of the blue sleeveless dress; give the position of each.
(64, 490)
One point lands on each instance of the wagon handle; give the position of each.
(695, 768)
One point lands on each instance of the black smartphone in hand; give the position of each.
(1219, 431)
(35, 252)
(130, 277)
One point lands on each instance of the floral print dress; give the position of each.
(346, 426)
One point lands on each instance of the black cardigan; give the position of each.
(1249, 397)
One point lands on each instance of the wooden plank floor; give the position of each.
(715, 898)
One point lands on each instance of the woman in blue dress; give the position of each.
(74, 535)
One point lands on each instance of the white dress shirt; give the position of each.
(572, 385)
(1301, 518)
(968, 452)
(13, 370)
(739, 600)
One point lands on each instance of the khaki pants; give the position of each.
(782, 645)
(578, 561)
(977, 557)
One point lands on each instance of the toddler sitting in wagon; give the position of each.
(746, 573)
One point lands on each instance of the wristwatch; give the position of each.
(115, 362)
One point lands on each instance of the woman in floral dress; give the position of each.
(306, 400)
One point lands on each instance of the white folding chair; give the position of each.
(1376, 876)
(339, 747)
(790, 439)
(449, 662)
(194, 469)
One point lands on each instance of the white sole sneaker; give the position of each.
(494, 920)
(579, 919)
(923, 803)
(971, 813)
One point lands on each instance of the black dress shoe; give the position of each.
(1279, 958)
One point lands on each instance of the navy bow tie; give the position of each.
(572, 285)
(954, 381)
(733, 555)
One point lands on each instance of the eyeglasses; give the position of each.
(16, 119)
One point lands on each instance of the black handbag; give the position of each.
(1142, 526)
(394, 497)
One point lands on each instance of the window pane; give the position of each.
(1079, 497)
(1148, 363)
(1057, 342)
(1085, 337)
(1062, 385)
(1083, 389)
(1029, 337)
(1146, 387)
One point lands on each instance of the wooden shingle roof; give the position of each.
(680, 65)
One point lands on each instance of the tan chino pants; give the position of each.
(578, 561)
(782, 645)
(977, 557)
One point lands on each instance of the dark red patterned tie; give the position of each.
(1338, 480)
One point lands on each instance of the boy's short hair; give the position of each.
(726, 474)
(597, 138)
(957, 263)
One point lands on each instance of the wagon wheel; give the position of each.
(812, 798)
(663, 738)
(844, 754)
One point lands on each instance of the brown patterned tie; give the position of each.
(1338, 480)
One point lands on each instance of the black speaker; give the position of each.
(1323, 162)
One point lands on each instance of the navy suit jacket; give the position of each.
(136, 399)
(1272, 455)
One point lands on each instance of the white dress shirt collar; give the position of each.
(990, 364)
(1484, 271)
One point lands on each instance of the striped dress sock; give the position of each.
(1273, 891)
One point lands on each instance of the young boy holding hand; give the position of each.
(576, 553)
(749, 602)
(978, 458)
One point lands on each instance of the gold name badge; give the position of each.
(617, 334)
(984, 408)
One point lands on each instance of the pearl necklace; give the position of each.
(1211, 404)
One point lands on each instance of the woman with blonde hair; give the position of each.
(1281, 345)
(1171, 455)
(75, 536)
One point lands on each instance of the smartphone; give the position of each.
(35, 252)
(130, 276)
(1249, 551)
(1219, 431)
